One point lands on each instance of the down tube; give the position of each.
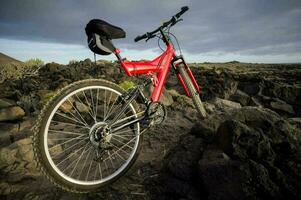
(156, 94)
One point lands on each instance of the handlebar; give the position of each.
(140, 37)
(171, 22)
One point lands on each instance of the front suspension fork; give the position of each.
(175, 63)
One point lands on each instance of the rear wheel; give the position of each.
(73, 143)
(193, 92)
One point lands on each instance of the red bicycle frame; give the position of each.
(158, 69)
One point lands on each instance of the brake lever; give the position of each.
(178, 20)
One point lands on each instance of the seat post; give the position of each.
(117, 54)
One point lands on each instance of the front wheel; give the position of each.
(74, 144)
(193, 92)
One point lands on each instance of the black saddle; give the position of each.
(103, 28)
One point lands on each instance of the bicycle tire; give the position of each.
(38, 140)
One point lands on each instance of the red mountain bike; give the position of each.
(90, 133)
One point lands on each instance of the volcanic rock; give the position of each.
(282, 106)
(11, 113)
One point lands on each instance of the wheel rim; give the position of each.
(71, 153)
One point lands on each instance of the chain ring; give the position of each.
(156, 113)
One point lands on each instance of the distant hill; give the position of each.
(6, 60)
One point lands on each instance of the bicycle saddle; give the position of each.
(103, 28)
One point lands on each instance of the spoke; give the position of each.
(67, 149)
(116, 152)
(84, 165)
(95, 172)
(78, 159)
(54, 121)
(106, 166)
(109, 109)
(85, 104)
(113, 110)
(99, 167)
(122, 136)
(109, 112)
(124, 131)
(70, 155)
(84, 121)
(122, 146)
(71, 147)
(122, 112)
(70, 118)
(66, 132)
(64, 138)
(104, 105)
(111, 160)
(84, 149)
(122, 143)
(92, 101)
(89, 169)
(122, 150)
(96, 102)
(88, 104)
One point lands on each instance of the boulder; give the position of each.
(290, 93)
(17, 158)
(4, 103)
(253, 153)
(255, 102)
(52, 67)
(182, 163)
(282, 106)
(11, 113)
(296, 121)
(81, 107)
(166, 98)
(209, 107)
(241, 98)
(215, 82)
(250, 88)
(222, 177)
(263, 143)
(65, 107)
(225, 104)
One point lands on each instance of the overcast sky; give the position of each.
(212, 30)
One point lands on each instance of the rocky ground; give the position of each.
(248, 147)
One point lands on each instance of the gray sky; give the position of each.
(212, 30)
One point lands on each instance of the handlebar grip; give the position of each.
(140, 37)
(183, 9)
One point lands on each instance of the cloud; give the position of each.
(269, 27)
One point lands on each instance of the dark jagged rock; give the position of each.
(241, 97)
(282, 106)
(264, 158)
(222, 177)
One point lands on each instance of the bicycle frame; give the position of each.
(158, 68)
